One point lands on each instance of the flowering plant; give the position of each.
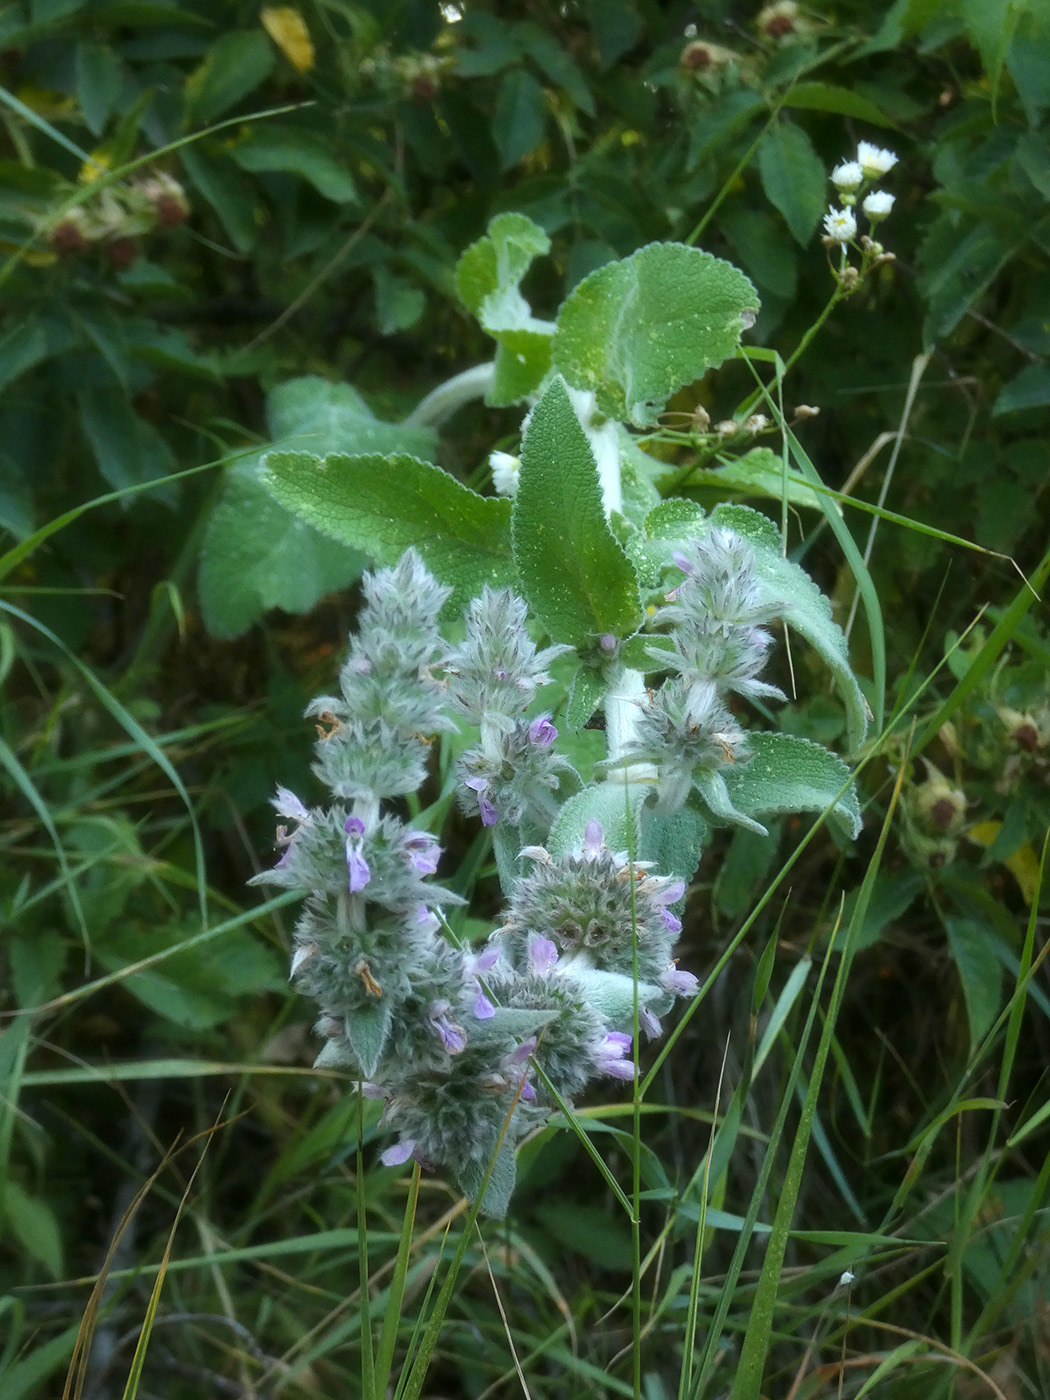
(664, 611)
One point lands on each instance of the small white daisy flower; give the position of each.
(840, 224)
(877, 205)
(848, 176)
(505, 469)
(873, 160)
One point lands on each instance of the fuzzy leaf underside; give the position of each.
(789, 774)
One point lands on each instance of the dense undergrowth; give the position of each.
(223, 230)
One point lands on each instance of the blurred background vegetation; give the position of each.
(200, 203)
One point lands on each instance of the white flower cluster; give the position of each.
(849, 179)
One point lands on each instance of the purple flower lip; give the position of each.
(593, 838)
(453, 1037)
(542, 732)
(357, 867)
(681, 984)
(288, 805)
(489, 815)
(424, 851)
(610, 1056)
(543, 954)
(397, 1155)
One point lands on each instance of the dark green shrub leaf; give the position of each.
(234, 67)
(521, 113)
(794, 178)
(268, 146)
(575, 575)
(1029, 389)
(980, 972)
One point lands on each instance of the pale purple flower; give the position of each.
(356, 864)
(302, 954)
(671, 895)
(426, 918)
(649, 1023)
(681, 984)
(489, 815)
(541, 732)
(424, 851)
(453, 1037)
(397, 1155)
(288, 805)
(543, 954)
(607, 642)
(593, 839)
(513, 1062)
(610, 1056)
(372, 1091)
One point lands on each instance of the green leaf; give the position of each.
(614, 804)
(585, 695)
(674, 842)
(127, 448)
(788, 774)
(637, 330)
(269, 146)
(319, 416)
(226, 190)
(980, 972)
(367, 1030)
(826, 97)
(399, 304)
(574, 574)
(794, 178)
(99, 81)
(1029, 389)
(235, 66)
(760, 472)
(488, 278)
(520, 117)
(197, 987)
(383, 505)
(35, 1226)
(500, 1186)
(257, 556)
(961, 265)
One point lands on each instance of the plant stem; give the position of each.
(443, 401)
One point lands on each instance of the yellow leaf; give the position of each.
(1023, 865)
(94, 167)
(288, 30)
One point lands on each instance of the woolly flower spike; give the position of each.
(496, 670)
(506, 471)
(847, 176)
(371, 735)
(877, 205)
(594, 907)
(874, 160)
(840, 224)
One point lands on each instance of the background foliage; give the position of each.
(222, 228)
